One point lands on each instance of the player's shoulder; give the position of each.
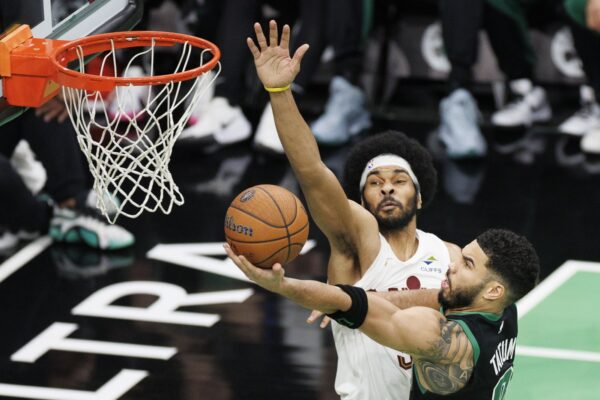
(435, 239)
(454, 251)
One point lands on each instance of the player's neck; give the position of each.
(492, 308)
(404, 242)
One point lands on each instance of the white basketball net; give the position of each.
(128, 138)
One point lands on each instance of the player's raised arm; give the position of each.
(326, 199)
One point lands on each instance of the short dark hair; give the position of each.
(513, 259)
(390, 142)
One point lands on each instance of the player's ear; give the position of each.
(495, 290)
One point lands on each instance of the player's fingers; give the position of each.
(285, 37)
(253, 49)
(299, 54)
(260, 36)
(278, 270)
(63, 116)
(236, 260)
(252, 271)
(590, 18)
(596, 21)
(314, 315)
(325, 322)
(41, 110)
(52, 112)
(272, 33)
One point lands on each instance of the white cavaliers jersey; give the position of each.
(367, 370)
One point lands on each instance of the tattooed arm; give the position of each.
(448, 366)
(442, 353)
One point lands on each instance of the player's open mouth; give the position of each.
(445, 284)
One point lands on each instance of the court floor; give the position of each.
(79, 324)
(559, 337)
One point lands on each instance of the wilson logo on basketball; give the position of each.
(247, 196)
(232, 226)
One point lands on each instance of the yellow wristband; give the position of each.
(277, 89)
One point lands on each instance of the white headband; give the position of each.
(388, 160)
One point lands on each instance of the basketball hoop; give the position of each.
(127, 124)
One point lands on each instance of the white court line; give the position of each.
(552, 282)
(543, 290)
(586, 266)
(23, 256)
(560, 354)
(199, 256)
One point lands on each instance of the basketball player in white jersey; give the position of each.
(374, 240)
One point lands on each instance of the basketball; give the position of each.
(267, 224)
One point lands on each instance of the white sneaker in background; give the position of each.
(220, 123)
(345, 114)
(128, 102)
(586, 118)
(591, 141)
(459, 127)
(529, 105)
(266, 137)
(229, 175)
(73, 226)
(8, 241)
(112, 203)
(31, 170)
(206, 89)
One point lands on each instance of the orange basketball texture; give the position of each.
(267, 224)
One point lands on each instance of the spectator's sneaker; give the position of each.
(345, 114)
(591, 141)
(111, 202)
(8, 241)
(128, 102)
(71, 226)
(224, 182)
(529, 105)
(206, 89)
(28, 167)
(586, 118)
(220, 123)
(459, 129)
(266, 137)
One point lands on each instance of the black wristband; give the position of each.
(356, 314)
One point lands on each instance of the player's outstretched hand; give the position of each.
(315, 315)
(270, 279)
(272, 59)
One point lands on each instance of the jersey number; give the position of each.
(500, 388)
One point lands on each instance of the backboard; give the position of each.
(65, 19)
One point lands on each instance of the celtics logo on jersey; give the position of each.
(502, 385)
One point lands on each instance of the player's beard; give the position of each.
(459, 298)
(394, 223)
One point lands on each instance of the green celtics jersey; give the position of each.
(493, 339)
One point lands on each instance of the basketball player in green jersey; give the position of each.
(463, 350)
